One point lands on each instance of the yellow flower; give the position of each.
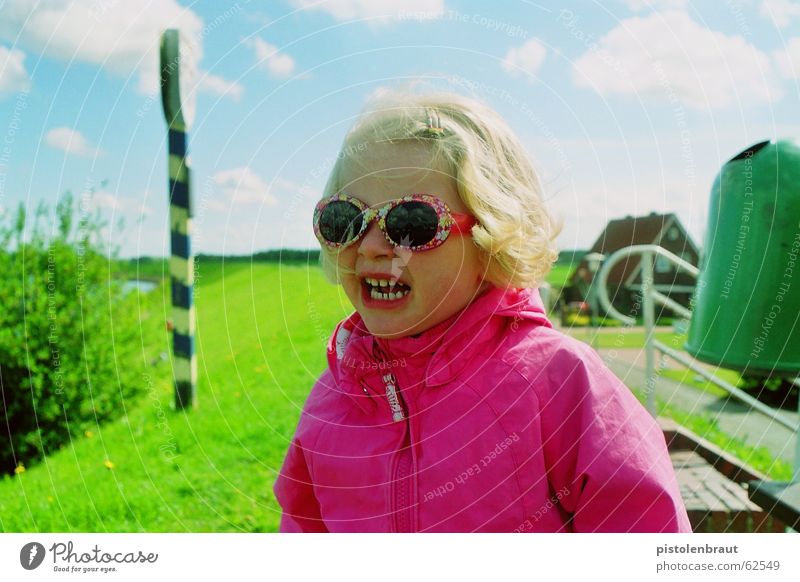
(108, 464)
(89, 434)
(19, 469)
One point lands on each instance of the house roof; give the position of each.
(634, 230)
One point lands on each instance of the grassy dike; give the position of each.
(261, 330)
(260, 346)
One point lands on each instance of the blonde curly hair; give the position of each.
(490, 167)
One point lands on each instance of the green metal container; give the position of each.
(746, 312)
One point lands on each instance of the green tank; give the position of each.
(746, 307)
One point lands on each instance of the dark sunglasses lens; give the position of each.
(412, 224)
(340, 221)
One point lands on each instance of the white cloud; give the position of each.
(222, 225)
(122, 37)
(781, 12)
(105, 200)
(248, 214)
(278, 64)
(788, 60)
(241, 187)
(13, 76)
(670, 56)
(220, 86)
(390, 92)
(376, 10)
(639, 5)
(70, 141)
(528, 57)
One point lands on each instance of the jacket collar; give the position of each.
(441, 351)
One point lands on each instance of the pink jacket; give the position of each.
(491, 421)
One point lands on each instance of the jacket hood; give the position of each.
(355, 356)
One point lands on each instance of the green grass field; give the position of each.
(559, 275)
(622, 337)
(261, 339)
(261, 333)
(691, 378)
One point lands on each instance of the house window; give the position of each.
(672, 234)
(662, 265)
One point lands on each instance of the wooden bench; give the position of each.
(713, 485)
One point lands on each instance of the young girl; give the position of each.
(450, 404)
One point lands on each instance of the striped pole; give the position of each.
(180, 221)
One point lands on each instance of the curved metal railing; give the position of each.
(650, 297)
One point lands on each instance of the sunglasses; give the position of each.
(417, 222)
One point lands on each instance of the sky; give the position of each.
(626, 107)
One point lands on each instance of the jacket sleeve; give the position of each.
(607, 460)
(295, 494)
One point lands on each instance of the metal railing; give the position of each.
(650, 297)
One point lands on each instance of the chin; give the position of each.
(384, 330)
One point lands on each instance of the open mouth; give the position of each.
(384, 289)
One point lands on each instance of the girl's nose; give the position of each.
(374, 243)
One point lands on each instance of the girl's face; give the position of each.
(441, 281)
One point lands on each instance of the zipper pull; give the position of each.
(391, 395)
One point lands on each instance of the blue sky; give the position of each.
(626, 107)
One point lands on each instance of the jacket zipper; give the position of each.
(402, 478)
(393, 396)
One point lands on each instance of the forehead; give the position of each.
(389, 170)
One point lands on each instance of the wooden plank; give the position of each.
(710, 485)
(720, 521)
(740, 493)
(732, 502)
(697, 518)
(740, 522)
(711, 500)
(685, 459)
(760, 522)
(780, 526)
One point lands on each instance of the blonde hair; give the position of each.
(493, 177)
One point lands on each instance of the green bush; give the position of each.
(773, 389)
(72, 340)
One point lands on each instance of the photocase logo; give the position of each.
(31, 555)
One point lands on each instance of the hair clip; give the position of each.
(434, 123)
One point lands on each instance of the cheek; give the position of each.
(453, 269)
(464, 261)
(345, 263)
(339, 269)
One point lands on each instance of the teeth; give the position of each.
(378, 286)
(377, 282)
(387, 296)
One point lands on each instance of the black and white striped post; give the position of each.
(180, 220)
